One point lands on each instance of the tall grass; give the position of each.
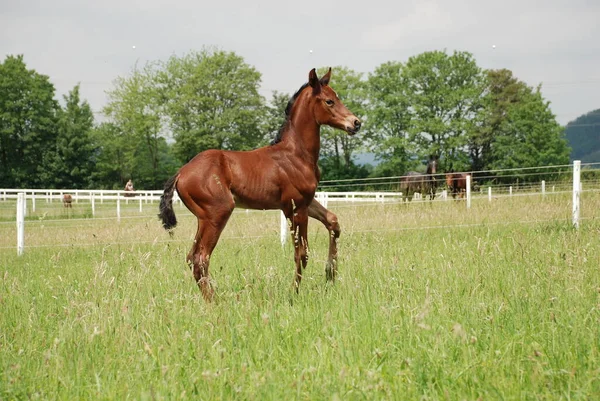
(432, 302)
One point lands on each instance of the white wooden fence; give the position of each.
(145, 197)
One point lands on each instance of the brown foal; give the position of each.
(283, 175)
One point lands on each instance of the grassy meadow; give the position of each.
(433, 302)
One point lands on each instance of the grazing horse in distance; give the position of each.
(67, 200)
(457, 184)
(282, 176)
(425, 184)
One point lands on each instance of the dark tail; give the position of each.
(166, 212)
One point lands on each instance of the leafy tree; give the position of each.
(135, 108)
(27, 123)
(113, 164)
(444, 94)
(502, 92)
(388, 119)
(211, 101)
(529, 136)
(426, 106)
(70, 164)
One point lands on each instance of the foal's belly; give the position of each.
(250, 195)
(259, 204)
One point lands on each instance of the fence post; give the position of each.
(576, 191)
(510, 190)
(118, 207)
(20, 223)
(489, 194)
(543, 187)
(468, 191)
(283, 229)
(93, 204)
(322, 198)
(33, 202)
(141, 200)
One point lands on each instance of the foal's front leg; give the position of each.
(330, 221)
(300, 237)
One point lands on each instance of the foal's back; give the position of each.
(263, 178)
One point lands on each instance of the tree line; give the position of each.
(161, 115)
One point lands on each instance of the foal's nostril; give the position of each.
(357, 124)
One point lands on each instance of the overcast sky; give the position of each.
(553, 42)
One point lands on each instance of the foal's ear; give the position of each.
(325, 78)
(313, 81)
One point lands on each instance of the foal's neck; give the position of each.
(305, 132)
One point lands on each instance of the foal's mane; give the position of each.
(288, 110)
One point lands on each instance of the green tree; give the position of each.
(502, 92)
(27, 123)
(529, 136)
(388, 119)
(114, 166)
(211, 101)
(444, 93)
(135, 107)
(426, 106)
(70, 164)
(515, 128)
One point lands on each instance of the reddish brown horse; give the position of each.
(67, 200)
(457, 184)
(283, 175)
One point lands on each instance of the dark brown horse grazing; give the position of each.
(281, 176)
(457, 184)
(67, 200)
(425, 184)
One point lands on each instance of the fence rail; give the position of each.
(361, 197)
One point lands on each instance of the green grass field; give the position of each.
(433, 302)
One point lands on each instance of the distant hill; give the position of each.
(583, 135)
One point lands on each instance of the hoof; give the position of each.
(330, 271)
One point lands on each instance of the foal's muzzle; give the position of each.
(355, 127)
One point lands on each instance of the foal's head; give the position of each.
(327, 107)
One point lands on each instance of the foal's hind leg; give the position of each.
(207, 236)
(330, 221)
(206, 239)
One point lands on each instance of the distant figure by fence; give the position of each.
(67, 200)
(129, 188)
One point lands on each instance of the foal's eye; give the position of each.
(329, 102)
